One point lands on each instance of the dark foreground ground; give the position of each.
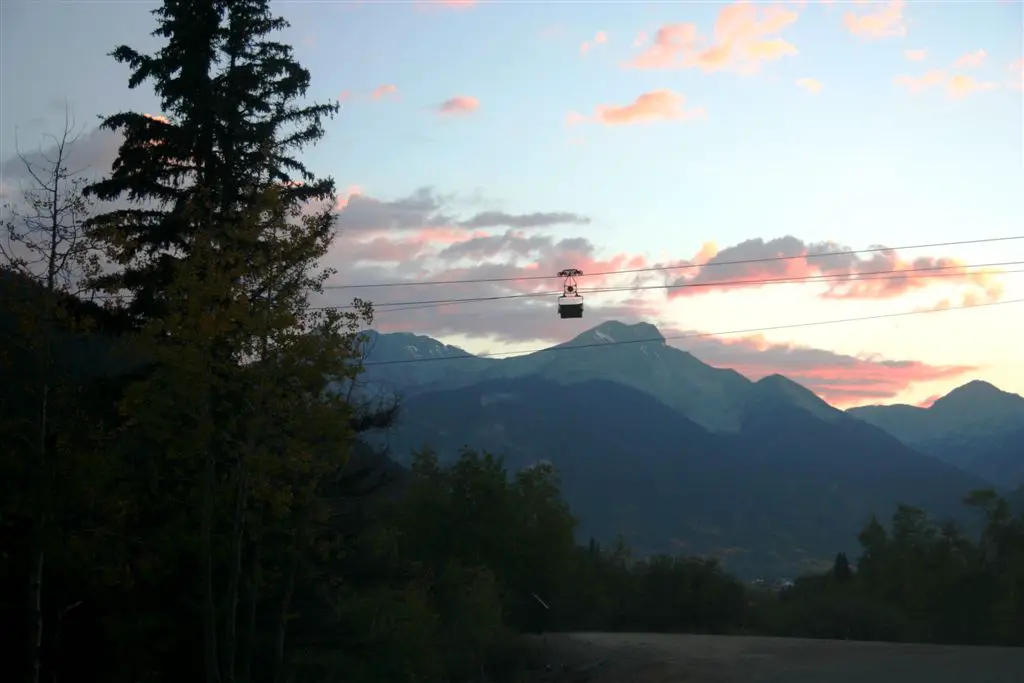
(660, 658)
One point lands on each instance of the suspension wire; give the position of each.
(695, 335)
(649, 269)
(893, 274)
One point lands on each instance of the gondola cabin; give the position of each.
(570, 304)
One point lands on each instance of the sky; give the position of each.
(482, 140)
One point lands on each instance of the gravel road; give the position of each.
(663, 658)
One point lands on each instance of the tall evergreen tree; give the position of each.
(218, 256)
(162, 169)
(841, 568)
(230, 128)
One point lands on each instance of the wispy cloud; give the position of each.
(600, 38)
(658, 105)
(970, 60)
(744, 37)
(956, 86)
(809, 84)
(852, 272)
(916, 55)
(886, 21)
(842, 380)
(1016, 69)
(382, 91)
(458, 105)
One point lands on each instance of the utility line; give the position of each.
(421, 307)
(696, 335)
(892, 274)
(770, 259)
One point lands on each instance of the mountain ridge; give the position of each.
(780, 496)
(976, 426)
(629, 344)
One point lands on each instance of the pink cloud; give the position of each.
(658, 105)
(461, 104)
(916, 55)
(1016, 69)
(382, 91)
(600, 38)
(572, 118)
(885, 22)
(850, 276)
(930, 79)
(343, 198)
(970, 60)
(744, 37)
(960, 85)
(956, 86)
(842, 380)
(812, 85)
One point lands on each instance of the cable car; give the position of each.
(570, 304)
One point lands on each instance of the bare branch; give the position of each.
(43, 234)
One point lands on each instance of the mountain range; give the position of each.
(976, 427)
(678, 455)
(653, 444)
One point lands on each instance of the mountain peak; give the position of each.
(405, 345)
(974, 388)
(776, 386)
(615, 332)
(978, 395)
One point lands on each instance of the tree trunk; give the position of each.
(36, 614)
(282, 624)
(206, 532)
(35, 581)
(234, 577)
(255, 577)
(56, 638)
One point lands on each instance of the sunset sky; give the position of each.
(502, 139)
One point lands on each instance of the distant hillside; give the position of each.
(412, 362)
(976, 426)
(783, 493)
(81, 354)
(632, 355)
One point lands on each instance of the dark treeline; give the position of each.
(181, 499)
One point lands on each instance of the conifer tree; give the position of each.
(217, 256)
(841, 568)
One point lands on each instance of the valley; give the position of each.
(678, 456)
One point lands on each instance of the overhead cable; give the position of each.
(695, 335)
(649, 269)
(890, 274)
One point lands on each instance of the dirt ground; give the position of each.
(662, 658)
